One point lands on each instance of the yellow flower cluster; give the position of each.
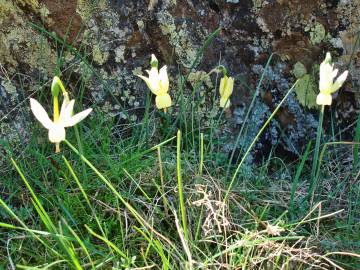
(158, 83)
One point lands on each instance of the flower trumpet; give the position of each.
(226, 89)
(158, 83)
(327, 86)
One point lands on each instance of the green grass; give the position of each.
(145, 196)
(115, 216)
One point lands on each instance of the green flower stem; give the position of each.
(56, 117)
(201, 154)
(316, 154)
(240, 134)
(180, 186)
(254, 141)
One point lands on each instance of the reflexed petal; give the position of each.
(222, 85)
(339, 81)
(57, 134)
(164, 81)
(40, 113)
(77, 118)
(153, 74)
(326, 77)
(229, 87)
(324, 99)
(153, 86)
(66, 102)
(163, 101)
(334, 73)
(66, 110)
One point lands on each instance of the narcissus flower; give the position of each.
(158, 83)
(226, 89)
(327, 86)
(66, 119)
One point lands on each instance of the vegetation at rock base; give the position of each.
(161, 194)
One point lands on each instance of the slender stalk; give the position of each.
(356, 147)
(247, 115)
(56, 118)
(162, 186)
(201, 153)
(254, 141)
(297, 177)
(56, 108)
(180, 185)
(316, 154)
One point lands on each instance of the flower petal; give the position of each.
(225, 102)
(66, 110)
(40, 113)
(335, 72)
(164, 81)
(153, 86)
(326, 77)
(77, 118)
(339, 81)
(229, 87)
(222, 86)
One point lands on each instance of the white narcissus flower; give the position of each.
(66, 119)
(158, 83)
(226, 89)
(327, 86)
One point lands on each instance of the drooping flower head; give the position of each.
(158, 83)
(57, 128)
(327, 86)
(226, 89)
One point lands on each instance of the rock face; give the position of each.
(109, 42)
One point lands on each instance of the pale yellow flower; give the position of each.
(226, 89)
(66, 119)
(158, 83)
(327, 86)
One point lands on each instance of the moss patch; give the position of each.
(306, 91)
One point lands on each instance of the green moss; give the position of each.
(317, 33)
(306, 91)
(299, 70)
(195, 77)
